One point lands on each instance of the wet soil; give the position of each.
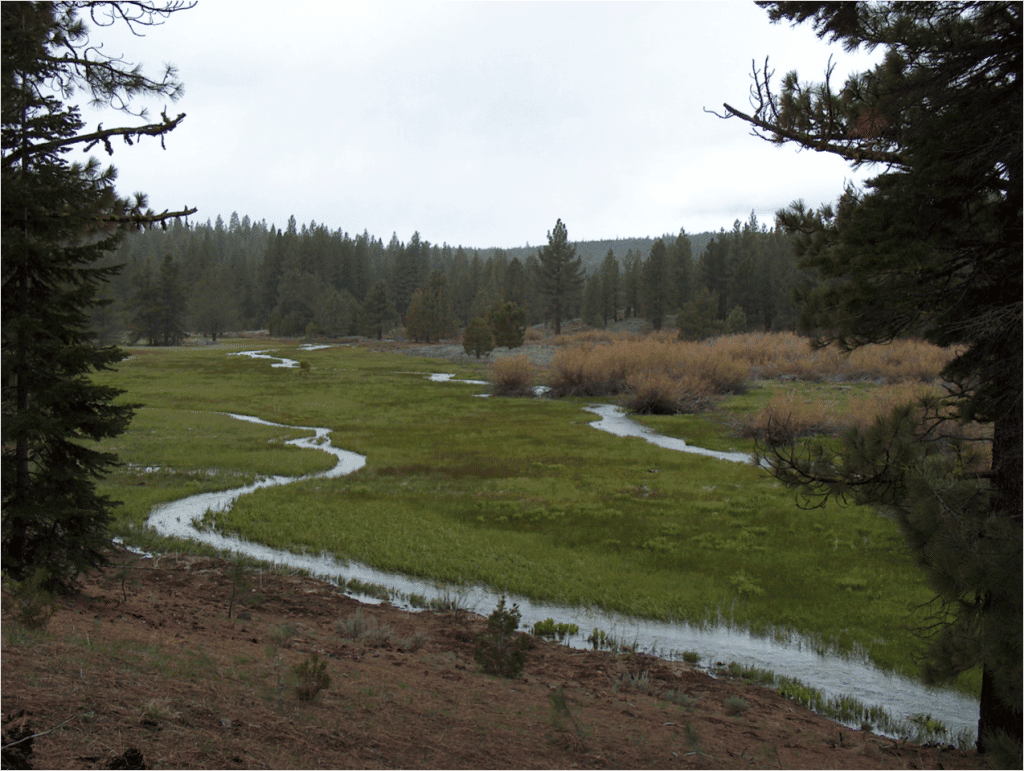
(182, 662)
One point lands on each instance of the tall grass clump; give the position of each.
(512, 376)
(659, 373)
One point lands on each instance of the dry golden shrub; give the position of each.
(589, 369)
(899, 361)
(512, 376)
(533, 335)
(864, 408)
(657, 393)
(590, 337)
(786, 354)
(789, 416)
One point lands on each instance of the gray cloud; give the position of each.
(474, 123)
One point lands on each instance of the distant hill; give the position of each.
(593, 252)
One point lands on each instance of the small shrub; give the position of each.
(512, 376)
(379, 636)
(310, 678)
(500, 651)
(564, 721)
(680, 697)
(158, 711)
(694, 738)
(33, 604)
(413, 643)
(691, 657)
(356, 625)
(639, 682)
(734, 705)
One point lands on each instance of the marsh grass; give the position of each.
(538, 502)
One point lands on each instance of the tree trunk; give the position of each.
(1007, 446)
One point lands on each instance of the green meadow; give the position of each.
(519, 494)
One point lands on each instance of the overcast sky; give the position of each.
(475, 123)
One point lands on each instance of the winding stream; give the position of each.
(830, 674)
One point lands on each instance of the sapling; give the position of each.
(500, 651)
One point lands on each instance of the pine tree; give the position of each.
(213, 306)
(681, 266)
(609, 288)
(379, 310)
(439, 317)
(417, 318)
(593, 306)
(170, 304)
(561, 274)
(656, 285)
(631, 283)
(58, 219)
(478, 339)
(932, 246)
(508, 323)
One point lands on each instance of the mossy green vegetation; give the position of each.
(519, 494)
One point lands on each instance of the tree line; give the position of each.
(310, 280)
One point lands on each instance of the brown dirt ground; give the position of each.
(146, 669)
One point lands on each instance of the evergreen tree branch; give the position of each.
(854, 153)
(100, 135)
(138, 220)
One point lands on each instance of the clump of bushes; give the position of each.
(500, 651)
(512, 376)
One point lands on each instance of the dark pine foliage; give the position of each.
(58, 220)
(931, 247)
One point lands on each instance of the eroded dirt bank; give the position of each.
(147, 659)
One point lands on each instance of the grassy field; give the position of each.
(519, 494)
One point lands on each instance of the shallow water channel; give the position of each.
(796, 658)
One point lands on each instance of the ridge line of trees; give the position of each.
(310, 280)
